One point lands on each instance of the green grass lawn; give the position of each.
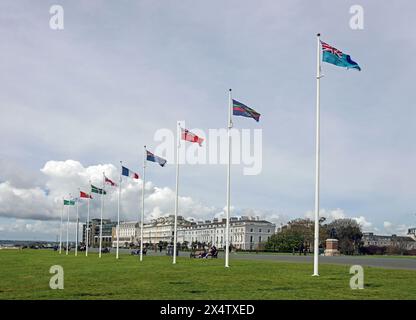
(25, 274)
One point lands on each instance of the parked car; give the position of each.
(105, 250)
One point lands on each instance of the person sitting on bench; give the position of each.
(212, 252)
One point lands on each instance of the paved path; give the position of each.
(389, 263)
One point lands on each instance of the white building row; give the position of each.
(246, 233)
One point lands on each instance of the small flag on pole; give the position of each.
(84, 195)
(95, 189)
(110, 182)
(151, 157)
(189, 136)
(69, 202)
(240, 109)
(128, 173)
(337, 57)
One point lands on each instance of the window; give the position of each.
(251, 230)
(251, 238)
(260, 230)
(260, 239)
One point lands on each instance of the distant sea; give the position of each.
(6, 243)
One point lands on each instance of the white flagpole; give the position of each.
(227, 225)
(318, 78)
(178, 132)
(88, 221)
(77, 224)
(60, 233)
(118, 211)
(67, 226)
(142, 217)
(101, 223)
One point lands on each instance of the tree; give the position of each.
(296, 233)
(285, 241)
(398, 245)
(348, 232)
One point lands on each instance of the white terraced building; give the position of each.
(128, 233)
(161, 229)
(246, 233)
(157, 230)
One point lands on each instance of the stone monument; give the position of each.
(331, 245)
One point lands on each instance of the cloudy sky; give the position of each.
(75, 102)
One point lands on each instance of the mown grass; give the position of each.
(25, 274)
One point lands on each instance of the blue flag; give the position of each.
(336, 57)
(153, 158)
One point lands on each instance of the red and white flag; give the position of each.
(110, 182)
(189, 136)
(84, 195)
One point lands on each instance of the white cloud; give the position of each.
(328, 214)
(65, 177)
(362, 221)
(387, 225)
(38, 209)
(340, 214)
(391, 228)
(25, 203)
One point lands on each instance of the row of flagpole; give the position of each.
(329, 55)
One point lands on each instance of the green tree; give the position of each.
(348, 232)
(294, 234)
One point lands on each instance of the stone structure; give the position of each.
(331, 247)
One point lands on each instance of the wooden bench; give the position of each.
(196, 253)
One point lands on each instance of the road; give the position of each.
(389, 262)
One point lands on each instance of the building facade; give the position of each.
(246, 233)
(128, 233)
(94, 232)
(412, 233)
(161, 229)
(371, 239)
(158, 230)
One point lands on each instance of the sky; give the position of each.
(74, 102)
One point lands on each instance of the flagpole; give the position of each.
(76, 231)
(67, 226)
(177, 192)
(317, 151)
(118, 211)
(88, 221)
(101, 223)
(227, 225)
(60, 233)
(143, 190)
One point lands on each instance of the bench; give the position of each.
(195, 254)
